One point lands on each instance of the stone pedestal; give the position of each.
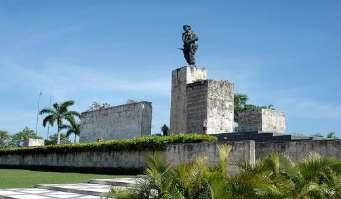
(210, 107)
(181, 77)
(264, 120)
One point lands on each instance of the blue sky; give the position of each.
(285, 53)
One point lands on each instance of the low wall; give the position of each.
(130, 162)
(298, 150)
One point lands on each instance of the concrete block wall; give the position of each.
(265, 120)
(273, 121)
(210, 107)
(180, 78)
(118, 122)
(220, 107)
(197, 95)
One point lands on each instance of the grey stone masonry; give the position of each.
(210, 107)
(118, 122)
(265, 120)
(180, 78)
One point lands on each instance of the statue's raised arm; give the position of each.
(190, 45)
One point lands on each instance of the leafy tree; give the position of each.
(53, 139)
(4, 139)
(241, 105)
(73, 128)
(95, 106)
(58, 114)
(24, 134)
(331, 135)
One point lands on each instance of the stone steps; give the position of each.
(94, 189)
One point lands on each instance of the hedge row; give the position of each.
(148, 143)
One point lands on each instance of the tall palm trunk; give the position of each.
(74, 141)
(58, 133)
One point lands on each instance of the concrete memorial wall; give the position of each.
(210, 107)
(263, 120)
(119, 122)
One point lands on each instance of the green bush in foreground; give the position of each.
(274, 177)
(148, 143)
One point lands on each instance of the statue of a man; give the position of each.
(190, 44)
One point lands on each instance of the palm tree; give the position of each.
(58, 113)
(73, 128)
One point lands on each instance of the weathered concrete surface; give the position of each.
(174, 154)
(180, 78)
(118, 122)
(297, 150)
(210, 107)
(32, 142)
(265, 120)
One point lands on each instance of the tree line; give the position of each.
(59, 115)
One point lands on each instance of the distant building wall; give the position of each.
(32, 142)
(180, 78)
(210, 107)
(265, 120)
(118, 122)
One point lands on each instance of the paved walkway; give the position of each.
(95, 189)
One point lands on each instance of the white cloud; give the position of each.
(63, 79)
(296, 105)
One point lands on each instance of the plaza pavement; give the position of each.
(94, 189)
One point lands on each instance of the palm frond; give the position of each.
(65, 105)
(56, 106)
(49, 119)
(75, 113)
(223, 154)
(46, 111)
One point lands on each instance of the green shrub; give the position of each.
(148, 143)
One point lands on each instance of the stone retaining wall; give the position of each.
(134, 160)
(299, 149)
(174, 154)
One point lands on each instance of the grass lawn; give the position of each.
(14, 178)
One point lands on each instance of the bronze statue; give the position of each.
(190, 44)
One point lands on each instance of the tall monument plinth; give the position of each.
(181, 77)
(199, 105)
